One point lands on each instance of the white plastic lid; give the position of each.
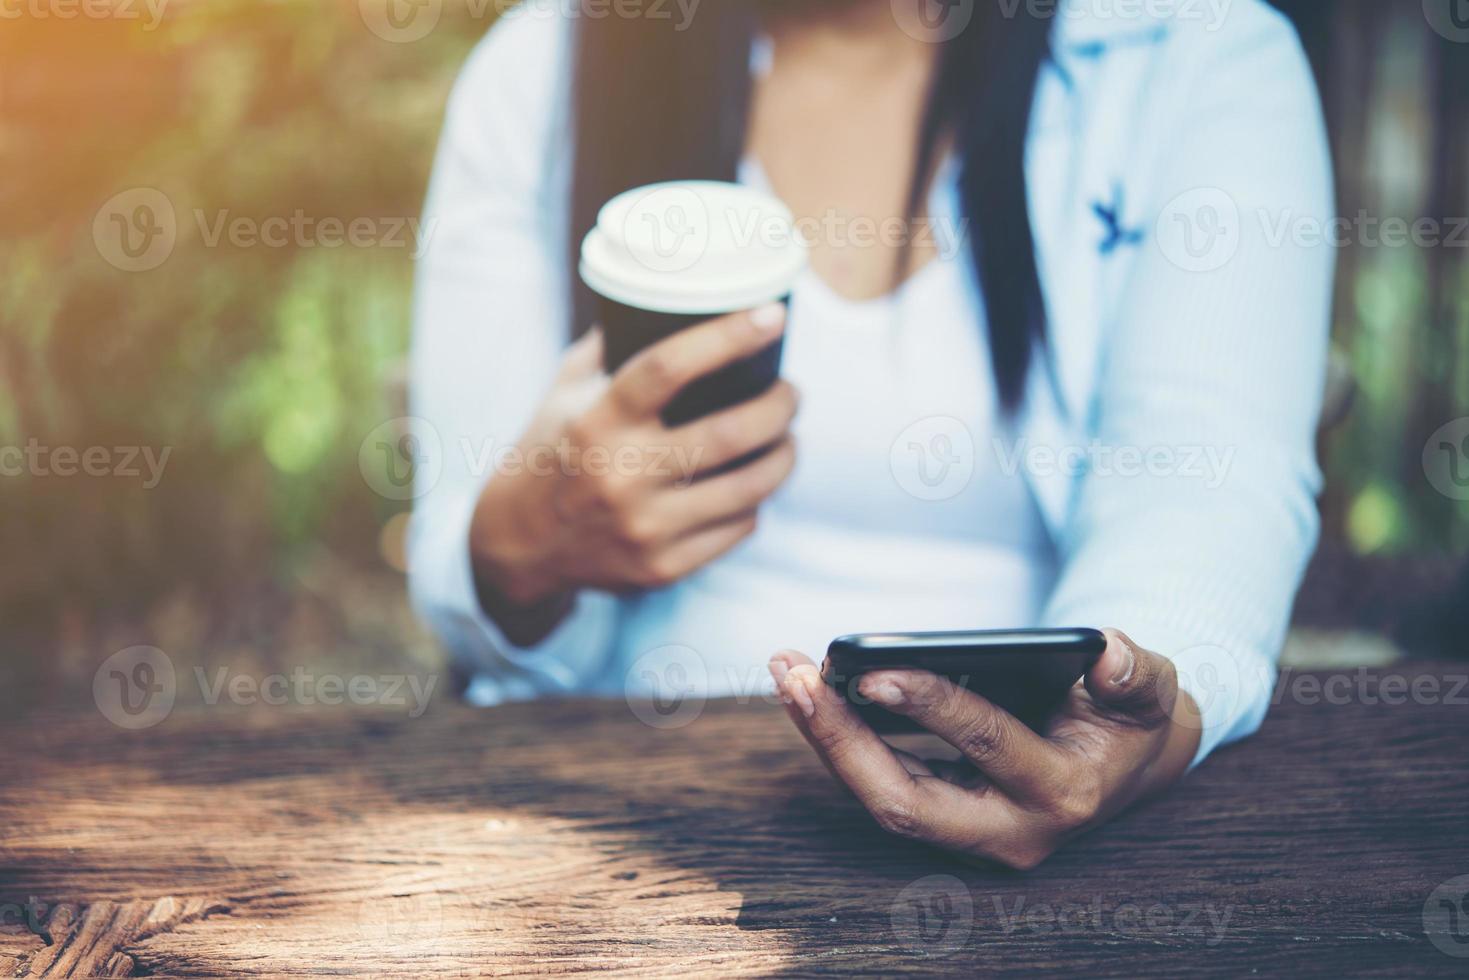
(693, 247)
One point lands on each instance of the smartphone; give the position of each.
(1026, 672)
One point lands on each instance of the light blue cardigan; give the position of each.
(1170, 155)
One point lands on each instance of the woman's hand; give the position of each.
(608, 496)
(1016, 796)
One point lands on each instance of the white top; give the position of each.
(1160, 478)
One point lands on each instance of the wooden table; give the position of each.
(573, 837)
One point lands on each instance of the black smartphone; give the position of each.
(1027, 672)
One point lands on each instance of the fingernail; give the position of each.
(1129, 660)
(796, 686)
(768, 318)
(882, 691)
(778, 670)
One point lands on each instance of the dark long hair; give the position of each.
(654, 102)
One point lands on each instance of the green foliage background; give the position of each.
(260, 369)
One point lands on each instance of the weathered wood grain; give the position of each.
(572, 838)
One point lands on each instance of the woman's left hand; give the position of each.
(1016, 796)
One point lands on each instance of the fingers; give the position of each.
(736, 432)
(583, 359)
(1016, 759)
(903, 803)
(721, 497)
(695, 550)
(651, 378)
(1133, 682)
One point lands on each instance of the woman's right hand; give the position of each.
(608, 497)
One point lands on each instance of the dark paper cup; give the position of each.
(666, 257)
(629, 330)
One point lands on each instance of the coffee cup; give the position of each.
(667, 256)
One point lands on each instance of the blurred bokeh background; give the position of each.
(260, 367)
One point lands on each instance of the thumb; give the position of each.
(1132, 681)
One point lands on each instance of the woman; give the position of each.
(1081, 390)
